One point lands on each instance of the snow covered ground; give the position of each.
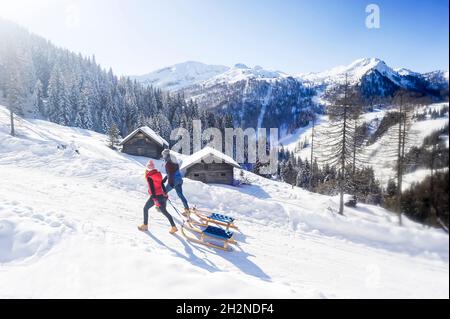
(69, 207)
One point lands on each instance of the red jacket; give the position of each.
(154, 181)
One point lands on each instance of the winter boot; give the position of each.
(143, 228)
(173, 230)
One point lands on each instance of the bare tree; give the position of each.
(398, 139)
(405, 104)
(311, 175)
(359, 136)
(338, 146)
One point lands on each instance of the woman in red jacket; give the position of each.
(158, 196)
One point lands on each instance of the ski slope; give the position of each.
(69, 207)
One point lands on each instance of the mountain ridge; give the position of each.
(259, 97)
(220, 73)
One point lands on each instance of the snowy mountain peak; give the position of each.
(354, 71)
(241, 72)
(366, 63)
(406, 72)
(241, 66)
(361, 67)
(181, 75)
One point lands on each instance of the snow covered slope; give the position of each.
(381, 154)
(69, 207)
(241, 72)
(181, 75)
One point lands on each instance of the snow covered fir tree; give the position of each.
(360, 186)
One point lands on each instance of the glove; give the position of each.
(157, 204)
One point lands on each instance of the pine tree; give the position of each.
(289, 173)
(55, 95)
(38, 99)
(15, 88)
(84, 116)
(113, 135)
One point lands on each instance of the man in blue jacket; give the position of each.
(175, 181)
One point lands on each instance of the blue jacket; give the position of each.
(173, 174)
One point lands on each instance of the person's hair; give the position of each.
(167, 156)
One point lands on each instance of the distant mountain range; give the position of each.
(188, 74)
(256, 96)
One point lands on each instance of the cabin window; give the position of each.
(196, 175)
(223, 174)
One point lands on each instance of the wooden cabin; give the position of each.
(144, 142)
(210, 166)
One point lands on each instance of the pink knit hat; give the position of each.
(150, 165)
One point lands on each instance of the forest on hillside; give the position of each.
(42, 80)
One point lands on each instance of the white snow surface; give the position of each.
(242, 73)
(69, 207)
(417, 176)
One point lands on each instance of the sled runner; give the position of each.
(204, 234)
(214, 218)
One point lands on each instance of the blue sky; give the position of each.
(138, 36)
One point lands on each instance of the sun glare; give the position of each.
(19, 10)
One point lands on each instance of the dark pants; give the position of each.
(163, 207)
(179, 190)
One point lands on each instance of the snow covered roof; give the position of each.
(208, 151)
(149, 133)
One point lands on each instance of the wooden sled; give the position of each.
(207, 218)
(201, 236)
